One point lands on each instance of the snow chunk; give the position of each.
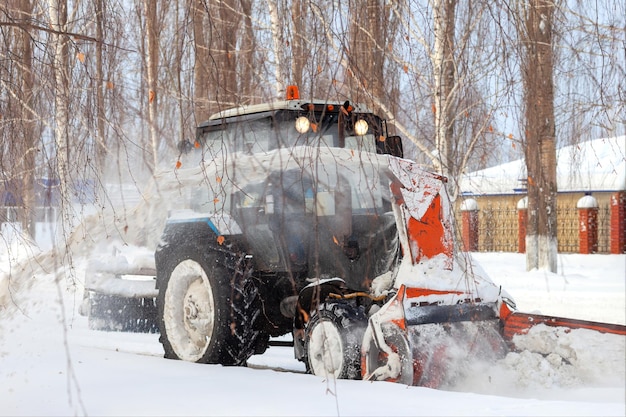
(590, 354)
(382, 284)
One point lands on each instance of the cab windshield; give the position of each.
(287, 129)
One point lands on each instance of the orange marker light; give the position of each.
(293, 93)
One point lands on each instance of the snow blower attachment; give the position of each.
(302, 217)
(441, 316)
(445, 314)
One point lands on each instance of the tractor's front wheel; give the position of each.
(333, 341)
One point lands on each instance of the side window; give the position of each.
(253, 136)
(216, 144)
(212, 144)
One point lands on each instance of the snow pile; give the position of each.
(134, 265)
(15, 249)
(553, 363)
(567, 364)
(565, 358)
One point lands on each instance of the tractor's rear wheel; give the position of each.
(208, 312)
(333, 341)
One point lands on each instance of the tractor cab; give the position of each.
(263, 128)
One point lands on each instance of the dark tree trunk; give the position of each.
(540, 147)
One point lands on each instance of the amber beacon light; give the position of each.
(293, 93)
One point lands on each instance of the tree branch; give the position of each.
(30, 26)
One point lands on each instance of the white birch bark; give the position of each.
(57, 10)
(443, 16)
(279, 47)
(152, 59)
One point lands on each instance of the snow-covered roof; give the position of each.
(595, 165)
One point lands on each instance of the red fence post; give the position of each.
(522, 218)
(587, 224)
(469, 213)
(618, 222)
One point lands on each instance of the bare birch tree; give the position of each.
(29, 133)
(371, 80)
(152, 75)
(100, 86)
(441, 100)
(57, 12)
(278, 46)
(299, 41)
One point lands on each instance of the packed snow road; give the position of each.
(52, 364)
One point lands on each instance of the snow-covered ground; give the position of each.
(52, 364)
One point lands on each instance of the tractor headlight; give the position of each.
(302, 124)
(361, 127)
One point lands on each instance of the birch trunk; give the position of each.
(152, 48)
(278, 44)
(58, 22)
(100, 85)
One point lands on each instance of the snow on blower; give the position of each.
(302, 217)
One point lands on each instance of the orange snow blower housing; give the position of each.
(445, 313)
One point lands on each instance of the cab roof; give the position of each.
(283, 105)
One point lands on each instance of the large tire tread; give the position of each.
(351, 322)
(236, 336)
